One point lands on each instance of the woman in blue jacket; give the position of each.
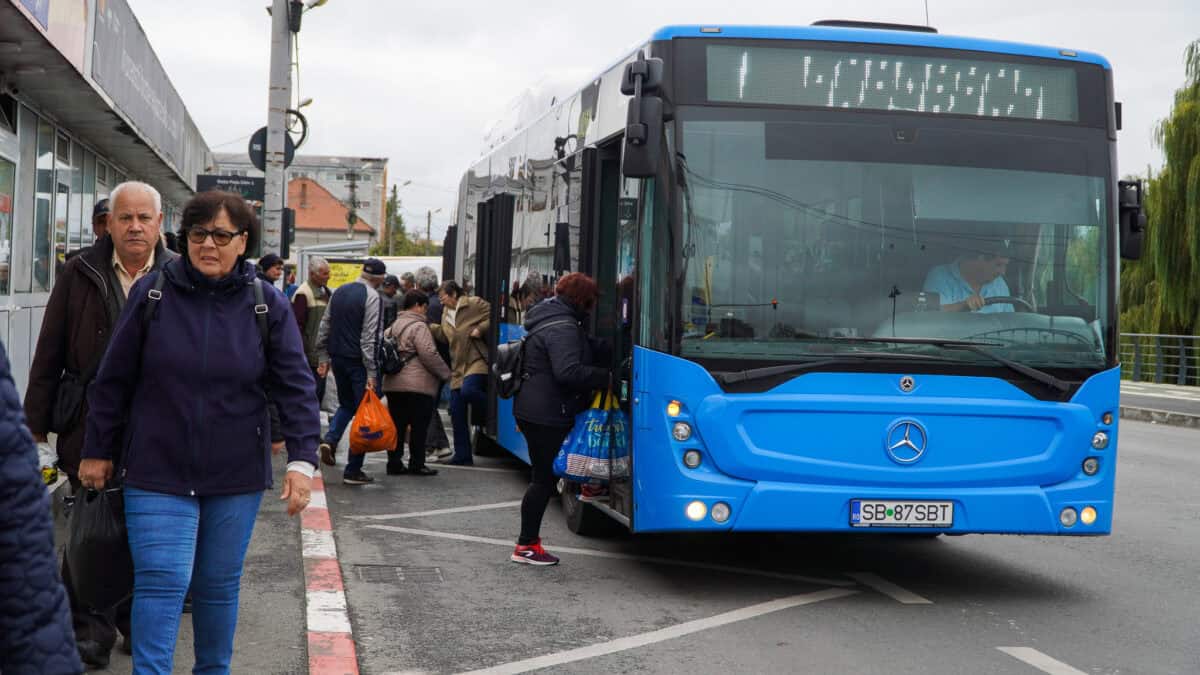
(180, 404)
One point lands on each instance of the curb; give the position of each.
(331, 648)
(1175, 419)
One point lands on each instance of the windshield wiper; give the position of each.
(974, 347)
(740, 376)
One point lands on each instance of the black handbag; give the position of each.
(69, 398)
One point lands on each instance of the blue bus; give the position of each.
(858, 277)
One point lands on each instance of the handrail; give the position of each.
(1160, 358)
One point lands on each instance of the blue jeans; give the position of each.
(472, 392)
(350, 375)
(179, 542)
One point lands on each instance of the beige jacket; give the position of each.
(467, 354)
(423, 374)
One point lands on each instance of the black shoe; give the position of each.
(92, 653)
(393, 471)
(422, 471)
(358, 478)
(127, 645)
(327, 454)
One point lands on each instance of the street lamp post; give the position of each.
(429, 224)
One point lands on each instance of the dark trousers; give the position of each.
(320, 388)
(436, 437)
(473, 392)
(100, 627)
(543, 443)
(409, 409)
(350, 375)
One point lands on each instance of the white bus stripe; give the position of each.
(663, 634)
(1041, 661)
(594, 553)
(439, 512)
(888, 588)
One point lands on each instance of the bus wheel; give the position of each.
(584, 519)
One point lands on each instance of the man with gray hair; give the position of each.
(308, 304)
(408, 282)
(85, 303)
(348, 339)
(437, 444)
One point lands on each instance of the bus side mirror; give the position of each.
(1132, 218)
(644, 121)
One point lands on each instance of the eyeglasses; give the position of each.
(197, 235)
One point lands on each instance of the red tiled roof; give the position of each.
(317, 209)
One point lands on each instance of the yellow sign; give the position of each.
(343, 273)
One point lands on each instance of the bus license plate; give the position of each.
(881, 513)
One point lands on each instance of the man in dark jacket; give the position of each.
(82, 312)
(349, 339)
(35, 618)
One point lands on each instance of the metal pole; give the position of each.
(428, 223)
(279, 96)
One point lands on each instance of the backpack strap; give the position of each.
(261, 311)
(153, 297)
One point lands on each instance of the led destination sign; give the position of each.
(923, 83)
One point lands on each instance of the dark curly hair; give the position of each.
(578, 289)
(205, 206)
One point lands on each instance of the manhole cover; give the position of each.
(387, 574)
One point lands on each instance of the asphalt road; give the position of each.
(1166, 397)
(435, 592)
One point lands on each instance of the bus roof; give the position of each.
(878, 36)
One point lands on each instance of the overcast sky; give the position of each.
(419, 83)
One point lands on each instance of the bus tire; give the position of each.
(582, 518)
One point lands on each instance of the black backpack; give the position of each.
(509, 366)
(391, 359)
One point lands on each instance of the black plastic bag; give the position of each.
(98, 556)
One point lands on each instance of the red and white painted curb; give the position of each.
(330, 639)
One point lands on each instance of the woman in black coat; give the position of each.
(35, 622)
(560, 374)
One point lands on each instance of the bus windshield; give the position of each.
(801, 231)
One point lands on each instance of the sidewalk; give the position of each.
(1161, 403)
(271, 632)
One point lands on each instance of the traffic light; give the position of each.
(288, 234)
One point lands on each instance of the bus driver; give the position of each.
(965, 284)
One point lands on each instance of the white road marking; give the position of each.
(439, 512)
(327, 612)
(888, 588)
(316, 500)
(621, 556)
(1042, 662)
(663, 634)
(317, 544)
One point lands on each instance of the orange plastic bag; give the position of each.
(372, 429)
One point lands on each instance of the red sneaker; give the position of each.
(533, 554)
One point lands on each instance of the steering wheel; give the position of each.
(1009, 300)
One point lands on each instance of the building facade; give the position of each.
(84, 105)
(322, 218)
(348, 179)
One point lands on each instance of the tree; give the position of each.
(1161, 293)
(401, 243)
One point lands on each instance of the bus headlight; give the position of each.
(1107, 418)
(1091, 465)
(674, 408)
(696, 511)
(681, 431)
(720, 512)
(691, 459)
(1100, 440)
(1087, 515)
(1068, 516)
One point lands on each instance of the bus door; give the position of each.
(493, 239)
(609, 254)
